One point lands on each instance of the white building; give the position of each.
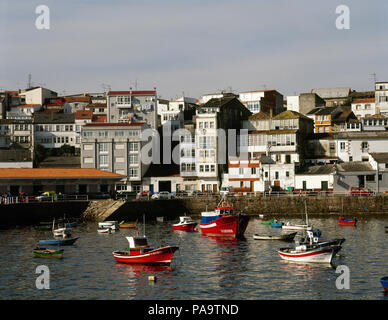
(364, 107)
(266, 101)
(293, 103)
(36, 95)
(381, 97)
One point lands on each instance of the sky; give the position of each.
(193, 47)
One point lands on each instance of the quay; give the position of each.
(22, 213)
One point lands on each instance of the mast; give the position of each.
(305, 209)
(143, 225)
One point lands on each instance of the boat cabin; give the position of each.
(137, 242)
(224, 210)
(185, 219)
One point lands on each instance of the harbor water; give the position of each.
(204, 268)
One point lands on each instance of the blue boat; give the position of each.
(384, 283)
(276, 224)
(63, 242)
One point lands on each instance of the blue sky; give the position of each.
(194, 47)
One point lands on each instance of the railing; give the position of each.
(33, 199)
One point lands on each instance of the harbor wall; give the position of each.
(33, 213)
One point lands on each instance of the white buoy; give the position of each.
(152, 278)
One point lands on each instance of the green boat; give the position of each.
(48, 253)
(268, 221)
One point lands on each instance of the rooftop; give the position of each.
(84, 114)
(51, 117)
(318, 169)
(380, 157)
(259, 116)
(288, 114)
(353, 166)
(114, 124)
(366, 100)
(133, 92)
(332, 92)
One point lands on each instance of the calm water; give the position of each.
(203, 268)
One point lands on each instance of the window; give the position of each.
(332, 147)
(103, 159)
(133, 172)
(103, 147)
(103, 134)
(240, 171)
(133, 159)
(253, 171)
(87, 133)
(287, 174)
(342, 146)
(370, 177)
(201, 168)
(119, 133)
(133, 146)
(277, 175)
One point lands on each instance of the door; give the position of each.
(14, 190)
(152, 188)
(304, 186)
(82, 189)
(324, 186)
(214, 188)
(361, 181)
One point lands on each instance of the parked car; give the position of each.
(126, 195)
(161, 195)
(360, 191)
(47, 196)
(25, 197)
(181, 194)
(225, 191)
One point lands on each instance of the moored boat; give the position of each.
(285, 237)
(276, 224)
(347, 222)
(61, 232)
(268, 222)
(223, 221)
(384, 283)
(128, 225)
(141, 253)
(105, 230)
(48, 253)
(185, 223)
(309, 253)
(109, 224)
(63, 242)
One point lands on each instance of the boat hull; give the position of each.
(295, 227)
(226, 226)
(160, 256)
(384, 283)
(284, 237)
(62, 242)
(319, 255)
(47, 253)
(128, 225)
(267, 222)
(347, 222)
(184, 226)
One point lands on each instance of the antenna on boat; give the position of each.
(143, 225)
(305, 209)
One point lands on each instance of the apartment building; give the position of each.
(266, 101)
(133, 106)
(364, 108)
(115, 147)
(53, 130)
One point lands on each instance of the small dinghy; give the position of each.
(48, 253)
(109, 224)
(276, 224)
(105, 230)
(284, 237)
(185, 223)
(384, 283)
(347, 222)
(128, 225)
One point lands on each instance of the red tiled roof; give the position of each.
(14, 93)
(145, 92)
(371, 100)
(99, 118)
(83, 114)
(63, 173)
(115, 124)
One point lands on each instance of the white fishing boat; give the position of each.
(105, 230)
(307, 253)
(62, 232)
(114, 225)
(290, 226)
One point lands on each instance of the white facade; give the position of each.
(37, 95)
(313, 181)
(293, 103)
(381, 97)
(25, 111)
(364, 108)
(357, 148)
(252, 100)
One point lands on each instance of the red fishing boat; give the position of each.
(223, 221)
(141, 253)
(347, 222)
(185, 223)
